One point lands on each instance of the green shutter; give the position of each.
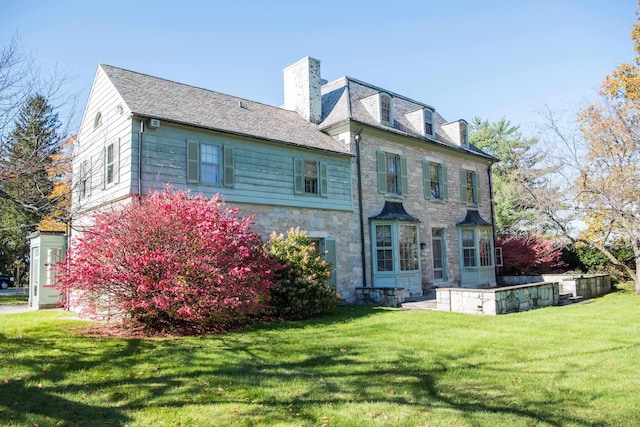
(193, 162)
(404, 176)
(445, 182)
(116, 162)
(323, 179)
(463, 185)
(298, 175)
(382, 172)
(227, 179)
(330, 257)
(476, 184)
(426, 179)
(104, 167)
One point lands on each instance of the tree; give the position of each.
(529, 255)
(303, 290)
(171, 262)
(22, 88)
(513, 170)
(34, 147)
(595, 178)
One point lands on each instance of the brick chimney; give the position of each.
(302, 84)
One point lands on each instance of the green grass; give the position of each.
(559, 366)
(14, 299)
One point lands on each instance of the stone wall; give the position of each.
(510, 299)
(580, 285)
(584, 285)
(385, 297)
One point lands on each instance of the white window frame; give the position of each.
(470, 187)
(205, 176)
(389, 120)
(404, 256)
(429, 127)
(482, 253)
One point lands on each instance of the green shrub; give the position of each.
(303, 290)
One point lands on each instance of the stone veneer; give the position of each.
(510, 299)
(432, 214)
(579, 285)
(339, 225)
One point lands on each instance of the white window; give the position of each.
(392, 173)
(83, 180)
(386, 109)
(428, 123)
(477, 247)
(463, 132)
(469, 248)
(209, 164)
(97, 121)
(469, 187)
(435, 183)
(111, 163)
(310, 177)
(396, 247)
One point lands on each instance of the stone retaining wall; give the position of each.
(385, 297)
(580, 285)
(584, 285)
(495, 301)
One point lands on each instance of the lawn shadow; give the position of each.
(245, 370)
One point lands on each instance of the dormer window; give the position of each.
(386, 116)
(463, 132)
(428, 123)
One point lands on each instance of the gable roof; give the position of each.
(162, 99)
(342, 100)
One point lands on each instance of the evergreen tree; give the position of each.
(27, 184)
(512, 172)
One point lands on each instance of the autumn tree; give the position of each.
(516, 158)
(593, 175)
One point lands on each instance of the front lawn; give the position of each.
(559, 366)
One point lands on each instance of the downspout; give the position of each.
(357, 138)
(140, 158)
(493, 219)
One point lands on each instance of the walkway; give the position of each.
(15, 308)
(425, 302)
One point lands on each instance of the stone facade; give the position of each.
(432, 214)
(319, 224)
(511, 299)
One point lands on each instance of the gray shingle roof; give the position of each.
(342, 101)
(175, 102)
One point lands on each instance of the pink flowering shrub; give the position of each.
(173, 262)
(529, 255)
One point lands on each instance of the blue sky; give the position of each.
(491, 59)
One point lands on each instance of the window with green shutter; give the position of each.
(434, 177)
(393, 177)
(111, 164)
(310, 177)
(209, 164)
(469, 187)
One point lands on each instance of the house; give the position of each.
(394, 194)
